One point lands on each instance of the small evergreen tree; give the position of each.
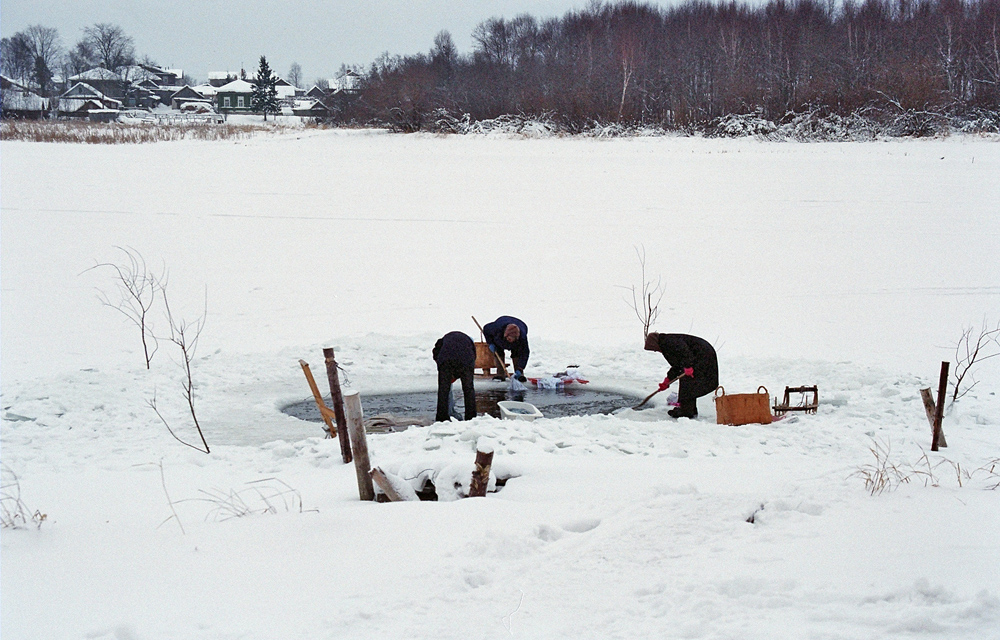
(264, 97)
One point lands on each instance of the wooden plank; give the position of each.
(385, 485)
(337, 396)
(324, 411)
(939, 408)
(930, 408)
(359, 444)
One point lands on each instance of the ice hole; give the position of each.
(420, 406)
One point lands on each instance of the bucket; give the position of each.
(742, 408)
(513, 410)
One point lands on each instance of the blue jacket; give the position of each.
(493, 332)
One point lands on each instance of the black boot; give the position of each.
(688, 409)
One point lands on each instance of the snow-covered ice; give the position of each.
(852, 266)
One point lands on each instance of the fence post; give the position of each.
(481, 475)
(939, 410)
(359, 444)
(337, 397)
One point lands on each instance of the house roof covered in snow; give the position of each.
(97, 73)
(17, 97)
(137, 73)
(81, 91)
(236, 86)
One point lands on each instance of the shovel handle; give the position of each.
(648, 398)
(659, 390)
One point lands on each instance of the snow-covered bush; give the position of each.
(739, 125)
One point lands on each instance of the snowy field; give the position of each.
(851, 266)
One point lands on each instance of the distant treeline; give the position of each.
(640, 65)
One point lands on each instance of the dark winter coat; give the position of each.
(493, 332)
(683, 351)
(455, 355)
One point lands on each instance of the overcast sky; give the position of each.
(199, 36)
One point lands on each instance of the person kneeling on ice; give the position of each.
(693, 361)
(507, 332)
(455, 355)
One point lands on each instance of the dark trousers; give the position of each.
(447, 373)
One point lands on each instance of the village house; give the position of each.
(186, 95)
(310, 108)
(18, 101)
(106, 82)
(84, 101)
(234, 97)
(220, 78)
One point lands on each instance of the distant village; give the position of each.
(146, 91)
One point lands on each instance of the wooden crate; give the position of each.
(743, 408)
(486, 360)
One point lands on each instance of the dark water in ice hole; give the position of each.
(569, 400)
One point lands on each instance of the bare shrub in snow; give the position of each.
(971, 350)
(136, 292)
(645, 302)
(13, 512)
(185, 335)
(515, 124)
(268, 495)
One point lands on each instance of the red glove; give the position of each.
(689, 372)
(666, 383)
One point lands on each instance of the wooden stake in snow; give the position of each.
(481, 475)
(939, 412)
(338, 404)
(359, 444)
(324, 411)
(930, 408)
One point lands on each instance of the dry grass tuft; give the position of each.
(885, 475)
(13, 512)
(268, 495)
(80, 132)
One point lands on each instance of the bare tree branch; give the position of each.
(645, 301)
(970, 350)
(185, 335)
(137, 288)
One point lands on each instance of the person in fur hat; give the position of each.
(507, 332)
(693, 361)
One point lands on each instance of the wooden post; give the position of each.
(481, 475)
(939, 410)
(359, 444)
(931, 410)
(324, 411)
(338, 404)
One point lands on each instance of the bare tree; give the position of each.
(645, 301)
(971, 350)
(80, 58)
(46, 49)
(112, 47)
(185, 335)
(295, 75)
(137, 288)
(16, 58)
